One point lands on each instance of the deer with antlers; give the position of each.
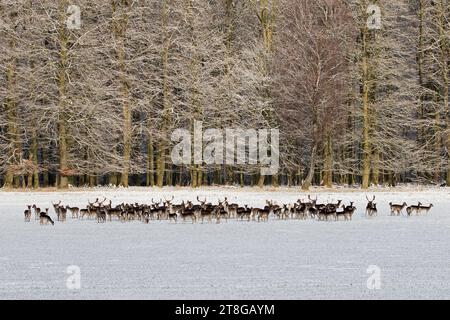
(371, 208)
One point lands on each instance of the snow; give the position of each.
(289, 259)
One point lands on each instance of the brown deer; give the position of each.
(101, 214)
(230, 208)
(45, 218)
(173, 216)
(27, 214)
(263, 215)
(371, 208)
(349, 210)
(74, 211)
(413, 209)
(188, 213)
(37, 212)
(396, 209)
(425, 209)
(62, 214)
(84, 212)
(56, 208)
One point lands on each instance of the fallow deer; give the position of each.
(45, 218)
(396, 209)
(27, 214)
(425, 209)
(74, 211)
(263, 215)
(37, 212)
(371, 208)
(413, 209)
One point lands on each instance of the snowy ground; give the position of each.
(235, 260)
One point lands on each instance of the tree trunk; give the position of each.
(309, 178)
(366, 116)
(161, 161)
(444, 52)
(150, 162)
(62, 86)
(12, 127)
(120, 23)
(328, 172)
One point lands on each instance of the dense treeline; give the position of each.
(359, 96)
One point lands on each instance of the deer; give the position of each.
(188, 213)
(160, 211)
(84, 212)
(327, 212)
(425, 209)
(243, 212)
(341, 214)
(300, 211)
(396, 209)
(206, 212)
(173, 216)
(74, 211)
(45, 218)
(62, 214)
(110, 211)
(312, 210)
(56, 208)
(220, 212)
(37, 212)
(101, 214)
(230, 208)
(27, 214)
(413, 208)
(371, 208)
(349, 211)
(263, 215)
(311, 202)
(246, 213)
(254, 213)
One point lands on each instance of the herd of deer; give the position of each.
(166, 210)
(397, 209)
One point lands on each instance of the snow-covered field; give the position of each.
(236, 260)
